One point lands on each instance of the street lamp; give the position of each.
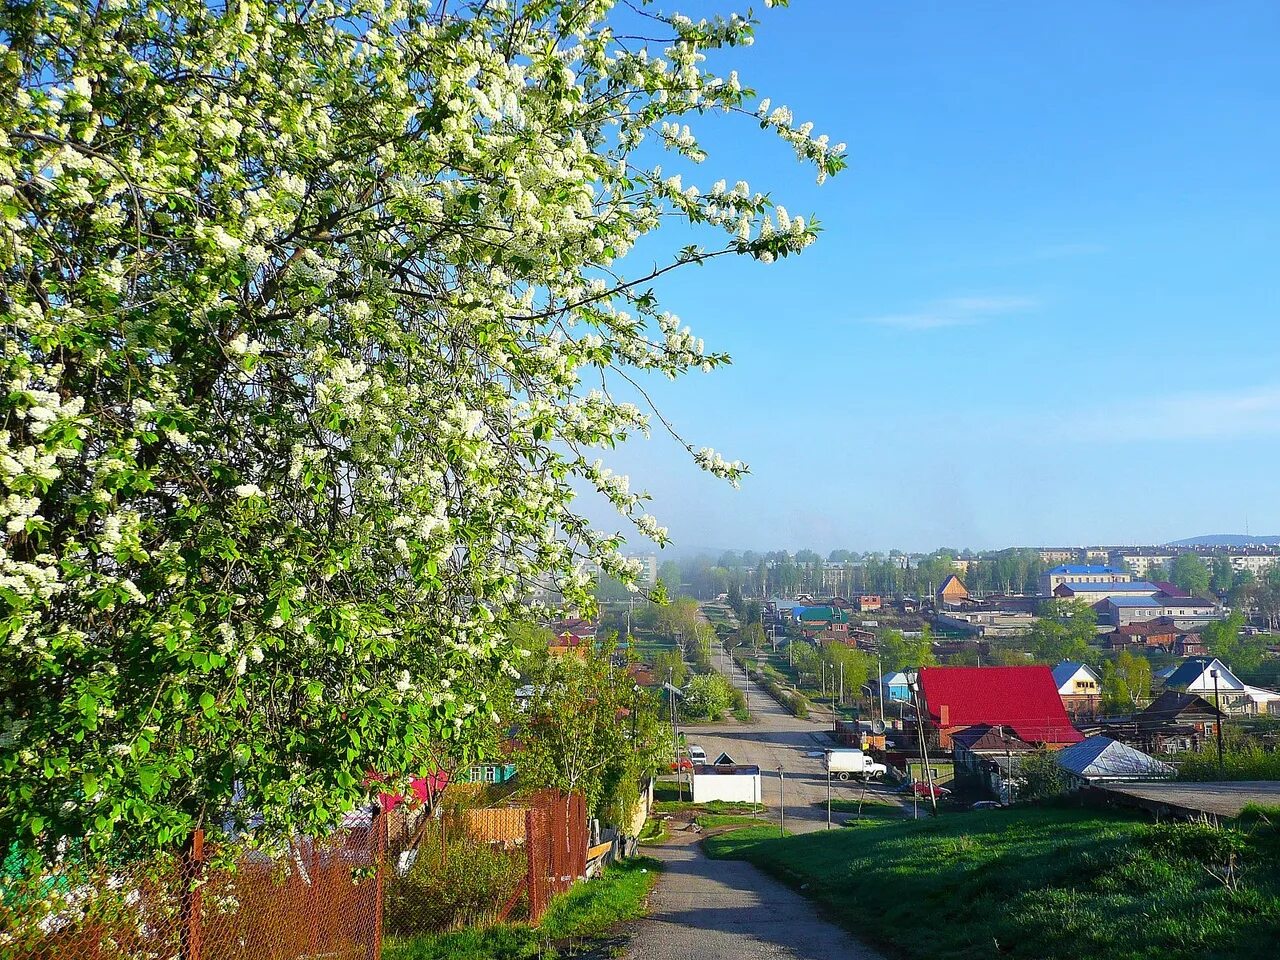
(1217, 706)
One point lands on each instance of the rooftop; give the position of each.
(1024, 699)
(1134, 602)
(1106, 759)
(1130, 586)
(1084, 569)
(1068, 669)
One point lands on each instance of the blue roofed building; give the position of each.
(1080, 573)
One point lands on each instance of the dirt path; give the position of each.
(705, 909)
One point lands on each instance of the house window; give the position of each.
(490, 774)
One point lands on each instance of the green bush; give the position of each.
(1248, 762)
(707, 697)
(465, 888)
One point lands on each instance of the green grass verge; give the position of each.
(713, 821)
(1037, 883)
(655, 831)
(741, 844)
(585, 913)
(714, 806)
(878, 808)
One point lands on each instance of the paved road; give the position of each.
(728, 910)
(777, 739)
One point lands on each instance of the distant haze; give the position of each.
(1227, 540)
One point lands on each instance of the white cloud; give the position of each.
(1192, 416)
(955, 312)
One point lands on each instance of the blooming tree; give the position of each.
(314, 312)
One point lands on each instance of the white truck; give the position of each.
(843, 764)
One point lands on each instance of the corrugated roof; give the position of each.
(1025, 699)
(1076, 569)
(1102, 758)
(1129, 586)
(1134, 602)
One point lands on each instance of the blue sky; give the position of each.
(1044, 306)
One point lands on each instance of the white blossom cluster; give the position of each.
(314, 315)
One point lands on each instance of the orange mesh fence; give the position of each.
(461, 867)
(317, 899)
(397, 874)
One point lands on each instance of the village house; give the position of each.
(868, 602)
(1174, 722)
(972, 744)
(951, 592)
(986, 623)
(990, 756)
(1159, 634)
(896, 686)
(1210, 678)
(818, 617)
(1023, 699)
(1079, 687)
(567, 643)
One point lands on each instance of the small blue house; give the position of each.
(895, 687)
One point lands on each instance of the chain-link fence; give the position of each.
(413, 870)
(315, 899)
(459, 866)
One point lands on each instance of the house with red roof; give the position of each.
(1023, 699)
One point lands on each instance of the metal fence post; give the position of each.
(373, 948)
(192, 899)
(532, 840)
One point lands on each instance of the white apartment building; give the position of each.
(648, 567)
(1256, 563)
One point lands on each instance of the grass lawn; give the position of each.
(944, 772)
(712, 821)
(876, 806)
(737, 844)
(1038, 883)
(673, 806)
(573, 923)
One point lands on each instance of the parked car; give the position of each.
(697, 755)
(986, 805)
(684, 763)
(921, 789)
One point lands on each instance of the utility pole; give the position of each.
(924, 747)
(1217, 706)
(782, 802)
(842, 683)
(675, 731)
(880, 670)
(828, 789)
